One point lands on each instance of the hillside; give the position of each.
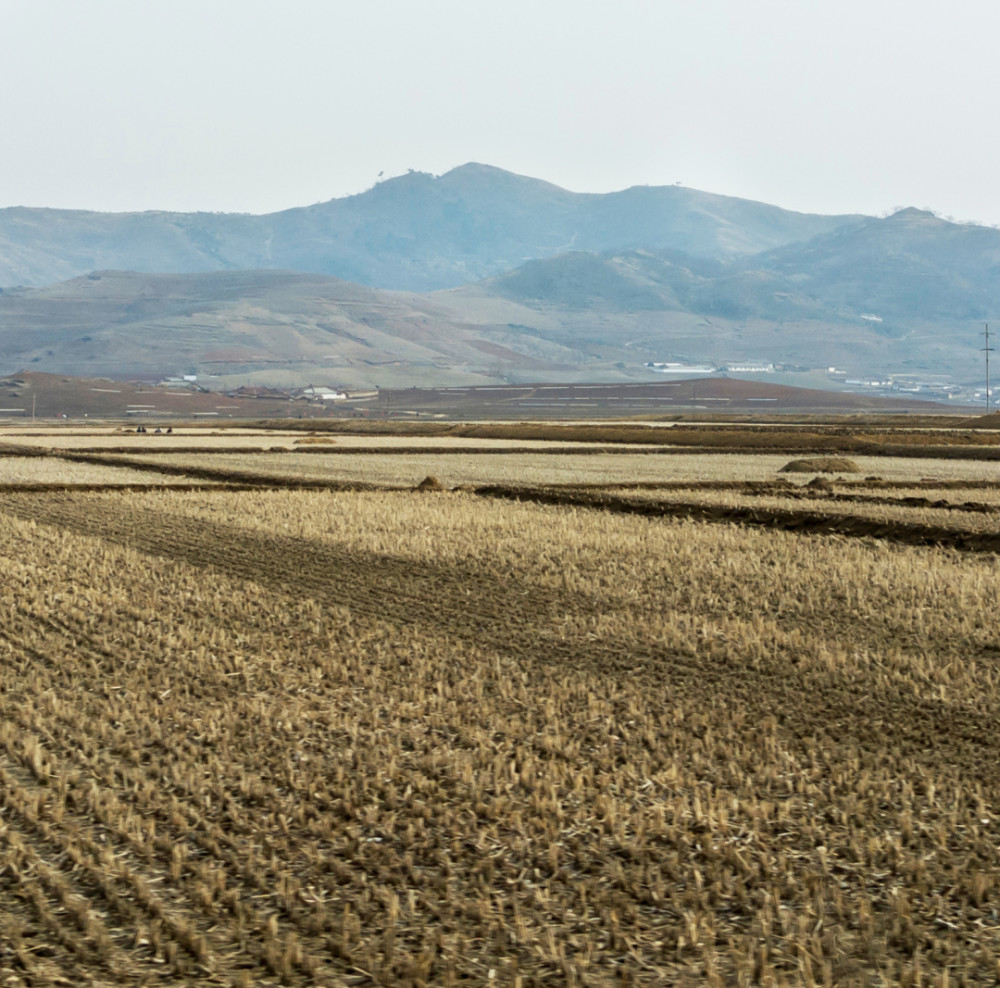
(909, 266)
(908, 293)
(416, 232)
(123, 324)
(905, 292)
(577, 317)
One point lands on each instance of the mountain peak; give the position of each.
(416, 231)
(911, 213)
(477, 168)
(475, 174)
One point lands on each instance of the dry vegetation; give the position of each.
(194, 438)
(26, 470)
(402, 738)
(942, 495)
(407, 468)
(960, 515)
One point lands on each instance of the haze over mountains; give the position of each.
(517, 279)
(415, 232)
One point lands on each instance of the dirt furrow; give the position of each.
(802, 522)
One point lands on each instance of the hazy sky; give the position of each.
(251, 106)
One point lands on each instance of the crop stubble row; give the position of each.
(572, 764)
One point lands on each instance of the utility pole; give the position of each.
(987, 350)
(33, 399)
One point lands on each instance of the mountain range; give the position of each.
(482, 275)
(414, 233)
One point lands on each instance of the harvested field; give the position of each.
(838, 435)
(406, 469)
(515, 735)
(328, 738)
(183, 439)
(50, 470)
(961, 516)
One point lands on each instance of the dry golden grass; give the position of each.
(408, 469)
(951, 495)
(879, 508)
(900, 469)
(114, 438)
(456, 443)
(49, 470)
(208, 438)
(424, 739)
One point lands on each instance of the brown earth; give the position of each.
(712, 395)
(33, 396)
(52, 396)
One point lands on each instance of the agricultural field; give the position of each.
(486, 467)
(544, 467)
(553, 727)
(253, 440)
(123, 437)
(45, 470)
(967, 512)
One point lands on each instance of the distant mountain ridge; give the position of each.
(908, 267)
(416, 232)
(905, 293)
(518, 280)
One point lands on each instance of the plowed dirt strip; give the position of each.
(801, 522)
(567, 449)
(824, 499)
(525, 623)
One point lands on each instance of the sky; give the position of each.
(252, 106)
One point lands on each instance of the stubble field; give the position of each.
(515, 735)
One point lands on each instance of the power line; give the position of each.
(987, 350)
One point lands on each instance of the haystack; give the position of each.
(430, 483)
(822, 464)
(820, 484)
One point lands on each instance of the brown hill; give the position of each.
(285, 326)
(286, 329)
